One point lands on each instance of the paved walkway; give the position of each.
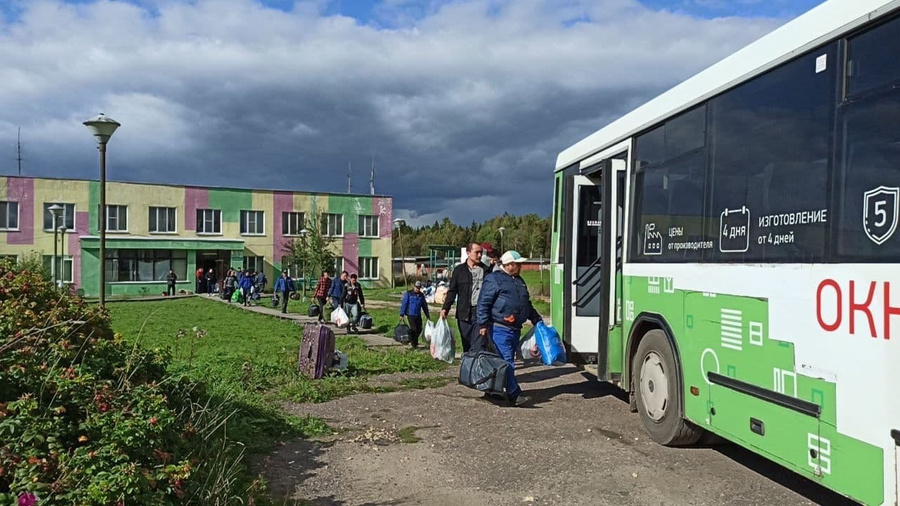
(369, 336)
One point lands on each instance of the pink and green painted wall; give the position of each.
(30, 195)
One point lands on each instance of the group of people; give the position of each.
(245, 280)
(492, 303)
(345, 292)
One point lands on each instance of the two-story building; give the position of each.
(151, 228)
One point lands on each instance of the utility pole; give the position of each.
(19, 150)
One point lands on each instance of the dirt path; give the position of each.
(577, 445)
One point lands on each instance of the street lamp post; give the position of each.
(398, 223)
(501, 230)
(102, 127)
(61, 276)
(303, 234)
(55, 209)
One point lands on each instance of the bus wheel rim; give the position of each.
(654, 387)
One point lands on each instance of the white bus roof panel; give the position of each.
(820, 24)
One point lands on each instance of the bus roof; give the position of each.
(820, 24)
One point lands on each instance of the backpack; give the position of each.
(402, 334)
(365, 321)
(313, 310)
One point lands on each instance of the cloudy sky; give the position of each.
(465, 103)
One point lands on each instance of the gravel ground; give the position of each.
(577, 444)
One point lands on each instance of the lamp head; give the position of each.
(55, 209)
(102, 127)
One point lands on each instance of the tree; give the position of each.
(313, 252)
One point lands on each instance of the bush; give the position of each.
(86, 419)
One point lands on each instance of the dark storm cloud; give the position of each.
(465, 108)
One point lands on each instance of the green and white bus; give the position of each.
(727, 252)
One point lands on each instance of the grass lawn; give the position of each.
(252, 359)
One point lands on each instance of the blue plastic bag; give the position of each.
(549, 344)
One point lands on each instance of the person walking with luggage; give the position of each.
(503, 306)
(337, 288)
(411, 307)
(171, 278)
(246, 284)
(284, 286)
(354, 303)
(323, 287)
(230, 284)
(465, 287)
(261, 282)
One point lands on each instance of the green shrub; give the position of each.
(87, 419)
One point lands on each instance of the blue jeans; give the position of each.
(505, 341)
(353, 311)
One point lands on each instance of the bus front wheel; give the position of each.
(656, 388)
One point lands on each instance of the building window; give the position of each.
(9, 216)
(162, 220)
(368, 267)
(252, 223)
(125, 265)
(254, 264)
(292, 223)
(332, 225)
(65, 219)
(117, 218)
(368, 225)
(65, 265)
(209, 221)
(338, 266)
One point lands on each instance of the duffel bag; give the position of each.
(402, 333)
(365, 321)
(484, 371)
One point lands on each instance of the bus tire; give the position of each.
(657, 392)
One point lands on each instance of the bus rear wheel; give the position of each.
(656, 389)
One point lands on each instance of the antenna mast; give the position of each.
(349, 164)
(372, 178)
(19, 150)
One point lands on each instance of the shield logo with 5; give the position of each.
(880, 212)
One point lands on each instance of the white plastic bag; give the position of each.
(528, 350)
(429, 330)
(442, 344)
(339, 317)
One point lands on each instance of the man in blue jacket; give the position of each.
(334, 293)
(245, 283)
(284, 286)
(503, 306)
(411, 307)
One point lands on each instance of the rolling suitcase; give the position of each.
(484, 371)
(316, 350)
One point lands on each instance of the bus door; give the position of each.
(610, 325)
(585, 264)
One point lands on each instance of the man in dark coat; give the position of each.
(465, 287)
